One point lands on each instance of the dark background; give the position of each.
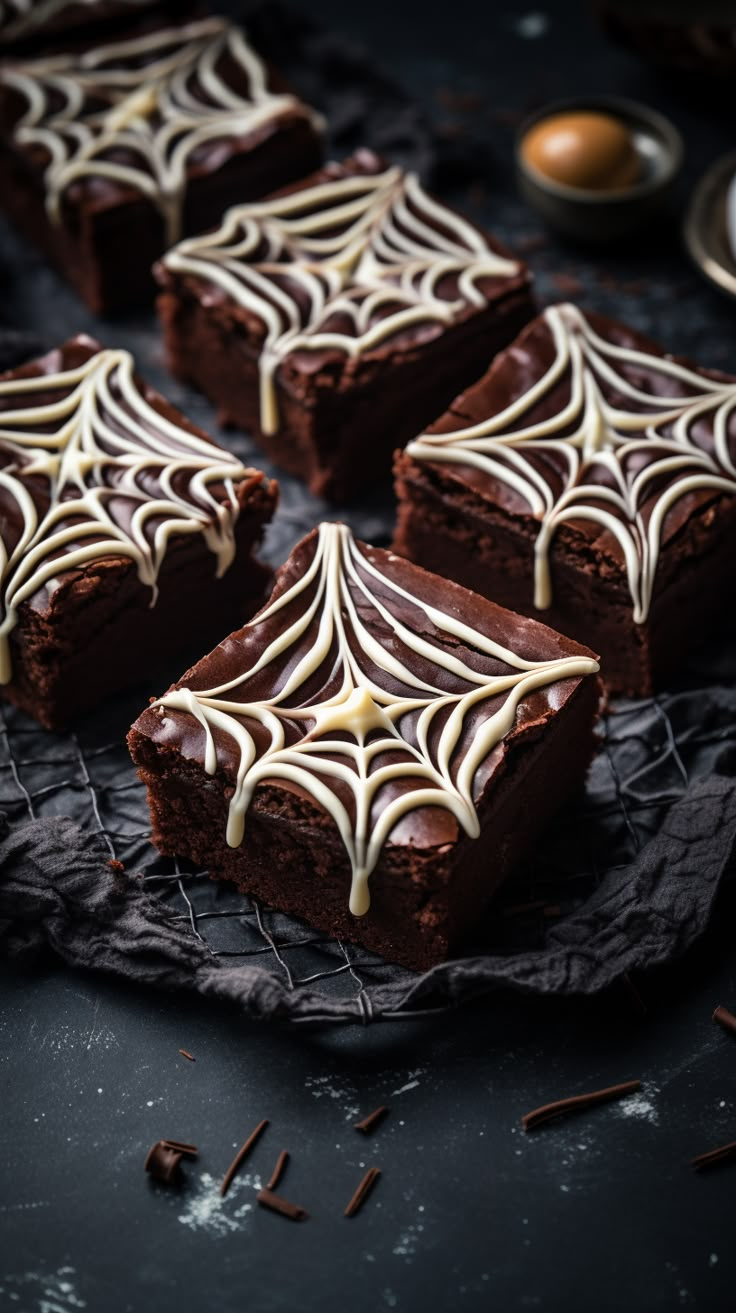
(601, 1212)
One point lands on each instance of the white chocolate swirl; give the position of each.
(92, 470)
(401, 720)
(622, 466)
(139, 112)
(342, 265)
(20, 18)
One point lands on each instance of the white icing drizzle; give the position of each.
(416, 720)
(18, 18)
(162, 100)
(342, 265)
(99, 473)
(649, 457)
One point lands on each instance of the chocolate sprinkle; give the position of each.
(241, 1155)
(578, 1103)
(715, 1157)
(544, 908)
(362, 1192)
(189, 1150)
(186, 1055)
(634, 994)
(725, 1019)
(163, 1159)
(523, 909)
(369, 1123)
(267, 1199)
(278, 1170)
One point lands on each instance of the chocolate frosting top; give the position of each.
(588, 428)
(381, 694)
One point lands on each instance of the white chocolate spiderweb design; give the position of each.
(622, 468)
(99, 473)
(18, 18)
(398, 721)
(139, 112)
(343, 265)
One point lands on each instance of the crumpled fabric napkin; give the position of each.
(59, 890)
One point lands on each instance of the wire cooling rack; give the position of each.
(649, 752)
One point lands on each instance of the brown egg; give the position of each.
(583, 149)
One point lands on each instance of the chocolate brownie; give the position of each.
(335, 318)
(109, 155)
(124, 532)
(373, 752)
(588, 479)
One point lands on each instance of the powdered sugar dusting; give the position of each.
(640, 1105)
(66, 1039)
(206, 1210)
(46, 1292)
(346, 1095)
(412, 1082)
(408, 1241)
(531, 26)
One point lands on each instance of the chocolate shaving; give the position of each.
(241, 1155)
(267, 1199)
(460, 102)
(369, 1123)
(163, 1160)
(578, 1103)
(189, 1150)
(539, 905)
(634, 994)
(362, 1192)
(278, 1170)
(715, 1157)
(725, 1019)
(186, 1055)
(523, 909)
(528, 243)
(567, 284)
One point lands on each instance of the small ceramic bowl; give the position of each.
(605, 216)
(706, 225)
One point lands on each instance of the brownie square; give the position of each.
(125, 532)
(109, 155)
(588, 480)
(335, 319)
(374, 752)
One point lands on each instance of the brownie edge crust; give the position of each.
(373, 753)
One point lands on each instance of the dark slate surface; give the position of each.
(601, 1212)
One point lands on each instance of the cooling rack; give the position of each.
(649, 752)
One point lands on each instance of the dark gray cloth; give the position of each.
(60, 891)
